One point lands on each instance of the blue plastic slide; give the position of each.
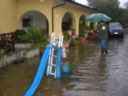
(40, 72)
(58, 64)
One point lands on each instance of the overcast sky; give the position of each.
(85, 2)
(123, 2)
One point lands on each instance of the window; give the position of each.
(26, 22)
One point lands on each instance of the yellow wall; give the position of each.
(44, 7)
(13, 10)
(7, 15)
(75, 12)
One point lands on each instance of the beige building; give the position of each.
(50, 15)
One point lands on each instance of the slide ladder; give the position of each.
(54, 62)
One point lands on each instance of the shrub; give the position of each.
(17, 35)
(34, 36)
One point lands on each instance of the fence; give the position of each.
(7, 42)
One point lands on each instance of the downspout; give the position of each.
(53, 8)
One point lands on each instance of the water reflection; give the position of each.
(92, 74)
(117, 62)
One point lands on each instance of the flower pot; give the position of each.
(66, 44)
(82, 40)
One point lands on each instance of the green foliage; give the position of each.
(17, 35)
(125, 16)
(66, 37)
(75, 42)
(81, 30)
(82, 27)
(109, 7)
(34, 36)
(126, 5)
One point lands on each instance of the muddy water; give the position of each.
(92, 74)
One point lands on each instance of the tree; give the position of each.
(126, 5)
(109, 7)
(125, 13)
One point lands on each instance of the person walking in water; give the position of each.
(103, 37)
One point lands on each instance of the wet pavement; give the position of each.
(92, 74)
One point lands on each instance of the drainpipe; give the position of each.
(53, 8)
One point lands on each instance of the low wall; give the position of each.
(8, 59)
(22, 45)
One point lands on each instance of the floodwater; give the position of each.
(92, 74)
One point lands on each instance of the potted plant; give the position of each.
(17, 35)
(75, 41)
(92, 35)
(83, 29)
(34, 36)
(66, 39)
(82, 34)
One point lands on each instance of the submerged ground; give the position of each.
(92, 74)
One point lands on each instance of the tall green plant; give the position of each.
(34, 35)
(81, 26)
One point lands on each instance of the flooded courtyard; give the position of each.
(92, 74)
